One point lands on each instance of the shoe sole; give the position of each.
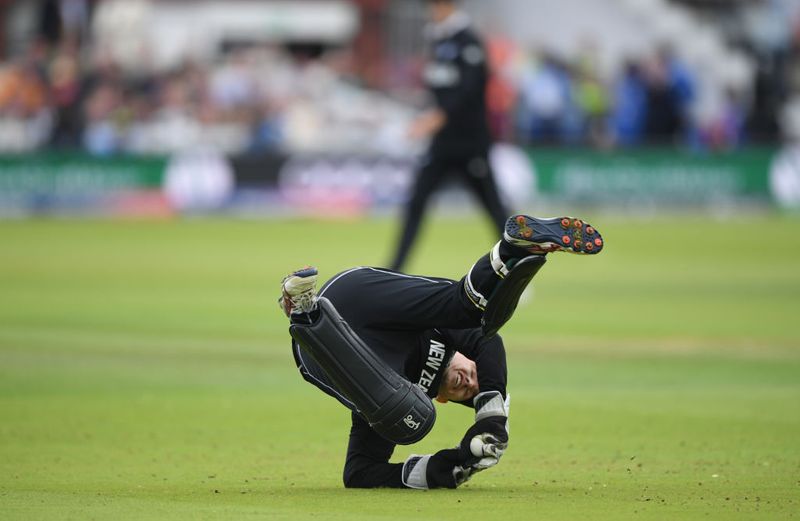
(309, 271)
(566, 234)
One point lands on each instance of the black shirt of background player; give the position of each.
(456, 75)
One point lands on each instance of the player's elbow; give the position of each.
(350, 476)
(354, 479)
(359, 476)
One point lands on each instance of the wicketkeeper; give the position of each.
(385, 344)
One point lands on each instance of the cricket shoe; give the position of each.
(539, 236)
(299, 292)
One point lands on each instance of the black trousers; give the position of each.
(391, 311)
(476, 173)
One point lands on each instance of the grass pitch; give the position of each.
(145, 373)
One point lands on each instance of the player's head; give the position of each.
(460, 380)
(440, 10)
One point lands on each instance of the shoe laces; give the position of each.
(304, 302)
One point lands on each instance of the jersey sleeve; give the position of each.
(367, 464)
(489, 356)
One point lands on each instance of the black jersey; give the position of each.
(456, 74)
(414, 324)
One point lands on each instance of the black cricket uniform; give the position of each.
(456, 74)
(414, 324)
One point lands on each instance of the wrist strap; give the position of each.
(491, 403)
(415, 471)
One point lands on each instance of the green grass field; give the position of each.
(145, 373)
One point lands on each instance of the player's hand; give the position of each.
(487, 449)
(426, 124)
(485, 442)
(445, 469)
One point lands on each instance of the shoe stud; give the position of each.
(589, 246)
(565, 223)
(578, 223)
(590, 230)
(598, 242)
(566, 239)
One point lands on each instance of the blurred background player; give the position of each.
(435, 333)
(456, 74)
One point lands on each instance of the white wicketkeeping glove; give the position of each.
(487, 439)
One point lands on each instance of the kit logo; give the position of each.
(409, 420)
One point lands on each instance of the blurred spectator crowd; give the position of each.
(649, 100)
(63, 95)
(255, 98)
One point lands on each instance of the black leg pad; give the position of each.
(504, 298)
(395, 408)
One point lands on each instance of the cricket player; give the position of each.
(385, 344)
(456, 75)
